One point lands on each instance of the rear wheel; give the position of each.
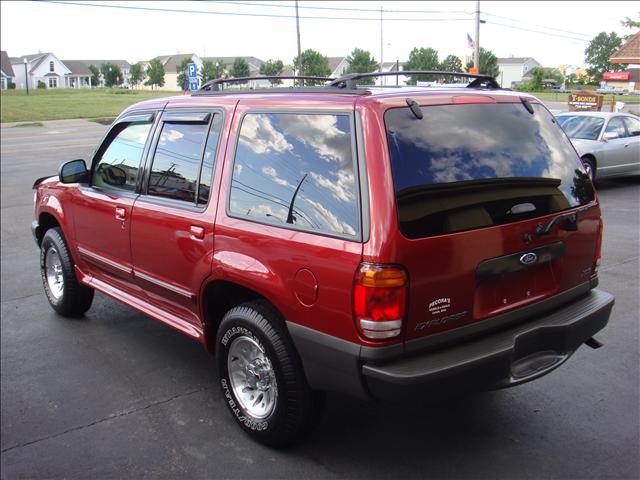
(590, 167)
(66, 295)
(261, 376)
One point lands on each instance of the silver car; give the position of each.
(607, 142)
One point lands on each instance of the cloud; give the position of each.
(259, 135)
(237, 170)
(329, 219)
(170, 135)
(321, 133)
(271, 172)
(342, 189)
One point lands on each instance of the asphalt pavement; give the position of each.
(119, 395)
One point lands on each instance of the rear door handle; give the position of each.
(120, 213)
(196, 231)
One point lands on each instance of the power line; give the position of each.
(263, 15)
(535, 25)
(373, 10)
(537, 31)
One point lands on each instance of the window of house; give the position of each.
(296, 170)
(119, 163)
(53, 82)
(51, 67)
(183, 161)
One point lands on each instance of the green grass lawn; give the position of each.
(58, 104)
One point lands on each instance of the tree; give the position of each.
(155, 74)
(181, 69)
(451, 64)
(629, 23)
(95, 75)
(208, 71)
(313, 64)
(272, 67)
(422, 59)
(598, 54)
(488, 63)
(361, 61)
(136, 74)
(240, 68)
(112, 74)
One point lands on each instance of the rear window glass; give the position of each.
(471, 166)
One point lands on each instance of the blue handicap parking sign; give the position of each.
(192, 70)
(193, 85)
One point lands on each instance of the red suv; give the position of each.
(373, 241)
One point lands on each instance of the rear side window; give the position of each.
(471, 166)
(296, 170)
(176, 163)
(120, 161)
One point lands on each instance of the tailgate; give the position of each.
(494, 210)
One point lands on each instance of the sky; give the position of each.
(554, 33)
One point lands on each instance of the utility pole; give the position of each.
(299, 49)
(381, 45)
(476, 55)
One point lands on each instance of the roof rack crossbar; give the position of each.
(218, 82)
(349, 81)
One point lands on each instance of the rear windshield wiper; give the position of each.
(570, 222)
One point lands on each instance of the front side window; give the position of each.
(176, 163)
(463, 167)
(296, 170)
(616, 126)
(120, 161)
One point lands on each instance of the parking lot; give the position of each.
(119, 395)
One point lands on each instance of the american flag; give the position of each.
(470, 42)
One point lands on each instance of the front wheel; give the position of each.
(590, 168)
(66, 295)
(261, 376)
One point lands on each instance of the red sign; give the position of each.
(615, 76)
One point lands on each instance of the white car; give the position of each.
(607, 142)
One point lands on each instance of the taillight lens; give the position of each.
(596, 263)
(380, 297)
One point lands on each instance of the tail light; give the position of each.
(379, 300)
(596, 263)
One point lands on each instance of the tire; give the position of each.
(66, 295)
(266, 390)
(590, 167)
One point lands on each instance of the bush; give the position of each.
(11, 86)
(41, 84)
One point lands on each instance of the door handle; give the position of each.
(626, 145)
(120, 213)
(196, 231)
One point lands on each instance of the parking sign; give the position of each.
(193, 85)
(192, 70)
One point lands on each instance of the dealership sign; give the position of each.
(616, 75)
(585, 101)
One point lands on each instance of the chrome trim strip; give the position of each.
(160, 283)
(622, 165)
(106, 261)
(380, 326)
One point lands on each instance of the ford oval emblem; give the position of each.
(528, 258)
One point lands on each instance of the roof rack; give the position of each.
(214, 85)
(480, 81)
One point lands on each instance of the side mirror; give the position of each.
(74, 171)
(609, 136)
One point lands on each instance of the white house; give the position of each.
(40, 67)
(514, 69)
(171, 64)
(6, 71)
(124, 66)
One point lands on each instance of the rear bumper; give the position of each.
(504, 358)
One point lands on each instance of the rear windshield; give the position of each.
(578, 126)
(463, 167)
